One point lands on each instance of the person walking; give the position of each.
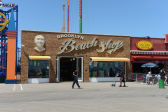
(122, 79)
(165, 78)
(75, 79)
(163, 73)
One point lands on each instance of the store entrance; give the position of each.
(66, 66)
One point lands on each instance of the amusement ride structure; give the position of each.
(8, 41)
(9, 38)
(68, 16)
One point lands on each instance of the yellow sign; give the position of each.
(144, 45)
(4, 20)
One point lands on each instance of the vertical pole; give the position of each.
(1, 51)
(5, 49)
(11, 50)
(63, 27)
(1, 62)
(16, 37)
(5, 56)
(68, 18)
(11, 58)
(131, 70)
(80, 16)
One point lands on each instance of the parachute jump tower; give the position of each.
(80, 16)
(8, 41)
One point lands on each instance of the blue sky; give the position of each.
(113, 17)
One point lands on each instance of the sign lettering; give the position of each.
(70, 36)
(144, 45)
(69, 45)
(110, 46)
(9, 5)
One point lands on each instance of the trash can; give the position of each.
(161, 83)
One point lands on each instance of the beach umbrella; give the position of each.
(149, 65)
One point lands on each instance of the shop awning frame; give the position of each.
(108, 59)
(39, 57)
(149, 52)
(149, 58)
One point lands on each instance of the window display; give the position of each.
(38, 69)
(106, 69)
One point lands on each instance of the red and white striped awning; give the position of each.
(149, 52)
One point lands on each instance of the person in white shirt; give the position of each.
(158, 77)
(148, 76)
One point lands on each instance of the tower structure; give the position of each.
(68, 18)
(63, 26)
(8, 41)
(80, 16)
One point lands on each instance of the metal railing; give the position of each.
(141, 77)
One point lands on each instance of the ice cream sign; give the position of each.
(144, 45)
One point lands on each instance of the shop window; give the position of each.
(106, 69)
(144, 70)
(38, 69)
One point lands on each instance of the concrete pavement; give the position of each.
(94, 97)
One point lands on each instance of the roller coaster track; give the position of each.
(2, 67)
(3, 43)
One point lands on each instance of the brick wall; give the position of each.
(52, 48)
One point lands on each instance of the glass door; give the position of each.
(79, 67)
(58, 69)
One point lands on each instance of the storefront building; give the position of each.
(52, 57)
(146, 49)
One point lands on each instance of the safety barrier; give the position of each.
(141, 77)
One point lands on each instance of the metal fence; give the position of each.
(141, 77)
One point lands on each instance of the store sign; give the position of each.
(9, 5)
(144, 45)
(0, 4)
(77, 36)
(109, 46)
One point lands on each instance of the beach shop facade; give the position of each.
(52, 57)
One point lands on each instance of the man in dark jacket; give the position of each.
(122, 79)
(75, 77)
(162, 74)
